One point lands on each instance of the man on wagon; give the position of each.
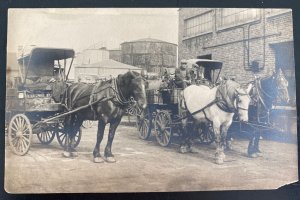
(182, 75)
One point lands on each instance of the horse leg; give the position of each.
(77, 122)
(219, 156)
(185, 145)
(100, 133)
(226, 138)
(109, 157)
(254, 139)
(68, 131)
(229, 138)
(256, 143)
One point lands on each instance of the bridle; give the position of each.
(234, 108)
(132, 107)
(237, 97)
(275, 83)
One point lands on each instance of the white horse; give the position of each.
(217, 106)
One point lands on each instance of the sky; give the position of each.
(81, 28)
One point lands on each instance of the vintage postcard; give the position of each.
(110, 100)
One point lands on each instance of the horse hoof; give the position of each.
(184, 149)
(229, 147)
(219, 161)
(110, 159)
(74, 154)
(253, 155)
(66, 154)
(259, 154)
(98, 160)
(222, 156)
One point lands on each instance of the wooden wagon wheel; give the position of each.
(143, 124)
(162, 128)
(19, 134)
(87, 124)
(46, 137)
(61, 137)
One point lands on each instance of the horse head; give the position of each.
(282, 86)
(242, 101)
(136, 88)
(234, 98)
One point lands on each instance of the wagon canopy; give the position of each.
(212, 68)
(42, 61)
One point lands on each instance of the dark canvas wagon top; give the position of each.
(41, 62)
(42, 80)
(212, 68)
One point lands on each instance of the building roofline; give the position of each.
(141, 40)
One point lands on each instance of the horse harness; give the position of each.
(220, 103)
(223, 105)
(117, 98)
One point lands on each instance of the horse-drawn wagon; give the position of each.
(165, 108)
(35, 96)
(204, 109)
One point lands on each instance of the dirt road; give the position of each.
(144, 166)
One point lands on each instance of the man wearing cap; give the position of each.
(182, 75)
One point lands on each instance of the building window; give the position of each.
(198, 25)
(236, 16)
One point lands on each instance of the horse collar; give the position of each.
(222, 104)
(120, 99)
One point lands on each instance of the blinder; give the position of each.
(237, 97)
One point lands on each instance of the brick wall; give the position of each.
(231, 45)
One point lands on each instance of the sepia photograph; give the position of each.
(122, 100)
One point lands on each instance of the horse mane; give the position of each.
(267, 88)
(226, 93)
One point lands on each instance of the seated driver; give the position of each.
(182, 75)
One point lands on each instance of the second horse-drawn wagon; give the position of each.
(166, 109)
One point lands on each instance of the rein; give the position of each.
(261, 91)
(223, 105)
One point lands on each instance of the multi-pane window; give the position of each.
(236, 16)
(198, 25)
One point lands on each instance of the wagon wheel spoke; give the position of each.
(143, 124)
(22, 123)
(23, 145)
(19, 134)
(162, 127)
(145, 128)
(14, 124)
(14, 129)
(46, 137)
(26, 139)
(15, 141)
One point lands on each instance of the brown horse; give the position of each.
(108, 101)
(265, 91)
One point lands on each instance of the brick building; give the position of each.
(249, 41)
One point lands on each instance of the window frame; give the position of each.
(186, 36)
(221, 27)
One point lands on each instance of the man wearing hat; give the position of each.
(182, 75)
